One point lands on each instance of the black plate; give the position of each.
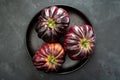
(33, 42)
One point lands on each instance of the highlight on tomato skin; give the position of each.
(49, 57)
(79, 42)
(52, 23)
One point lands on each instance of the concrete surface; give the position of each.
(15, 62)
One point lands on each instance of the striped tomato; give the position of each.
(49, 57)
(79, 42)
(52, 23)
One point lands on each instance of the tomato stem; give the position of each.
(52, 60)
(51, 23)
(85, 44)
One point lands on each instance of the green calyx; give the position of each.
(52, 60)
(51, 23)
(84, 43)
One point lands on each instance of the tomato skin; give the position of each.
(52, 23)
(49, 57)
(79, 42)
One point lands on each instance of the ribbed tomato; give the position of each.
(52, 23)
(49, 57)
(79, 42)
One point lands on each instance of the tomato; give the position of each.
(52, 23)
(49, 57)
(79, 42)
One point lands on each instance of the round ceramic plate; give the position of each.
(33, 42)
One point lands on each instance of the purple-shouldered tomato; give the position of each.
(79, 42)
(49, 57)
(52, 23)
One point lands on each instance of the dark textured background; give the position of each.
(15, 62)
